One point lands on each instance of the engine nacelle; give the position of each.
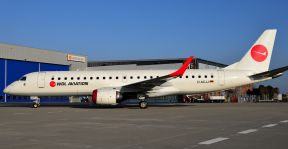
(110, 96)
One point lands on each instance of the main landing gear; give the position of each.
(143, 103)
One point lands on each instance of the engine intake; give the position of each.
(106, 96)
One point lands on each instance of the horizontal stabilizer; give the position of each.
(267, 74)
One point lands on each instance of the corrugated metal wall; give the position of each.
(2, 78)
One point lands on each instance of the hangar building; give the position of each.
(16, 61)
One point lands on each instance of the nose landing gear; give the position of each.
(36, 105)
(36, 101)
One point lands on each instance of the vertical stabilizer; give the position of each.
(259, 55)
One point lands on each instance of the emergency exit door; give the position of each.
(221, 77)
(41, 79)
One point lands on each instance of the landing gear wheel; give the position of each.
(143, 104)
(36, 105)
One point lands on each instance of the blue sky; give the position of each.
(220, 31)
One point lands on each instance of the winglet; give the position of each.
(182, 69)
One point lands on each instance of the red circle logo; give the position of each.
(52, 84)
(259, 53)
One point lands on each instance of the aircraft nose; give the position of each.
(6, 90)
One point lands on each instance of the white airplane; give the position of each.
(113, 86)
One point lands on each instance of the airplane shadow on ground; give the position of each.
(89, 106)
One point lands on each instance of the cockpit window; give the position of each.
(23, 79)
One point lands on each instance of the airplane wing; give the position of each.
(267, 74)
(146, 85)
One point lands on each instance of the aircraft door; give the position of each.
(221, 77)
(41, 80)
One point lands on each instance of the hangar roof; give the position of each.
(151, 62)
(24, 53)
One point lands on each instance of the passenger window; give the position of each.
(212, 76)
(145, 77)
(199, 76)
(91, 78)
(180, 77)
(84, 78)
(138, 77)
(205, 76)
(72, 78)
(117, 78)
(59, 78)
(78, 78)
(151, 77)
(131, 77)
(97, 78)
(65, 78)
(103, 78)
(187, 77)
(193, 76)
(52, 78)
(110, 78)
(124, 77)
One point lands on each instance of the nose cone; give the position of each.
(7, 90)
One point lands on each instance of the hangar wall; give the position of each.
(15, 61)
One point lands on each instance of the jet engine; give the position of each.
(110, 96)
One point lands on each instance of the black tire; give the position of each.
(35, 105)
(143, 105)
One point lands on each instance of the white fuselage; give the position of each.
(82, 83)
